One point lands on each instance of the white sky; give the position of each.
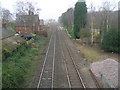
(52, 9)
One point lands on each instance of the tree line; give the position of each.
(93, 26)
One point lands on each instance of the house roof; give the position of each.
(27, 20)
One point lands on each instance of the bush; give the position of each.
(24, 46)
(71, 32)
(43, 32)
(15, 67)
(84, 33)
(19, 68)
(12, 75)
(111, 41)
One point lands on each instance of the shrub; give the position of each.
(12, 75)
(71, 32)
(43, 32)
(84, 33)
(111, 40)
(21, 49)
(19, 68)
(15, 67)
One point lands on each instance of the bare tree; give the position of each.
(92, 10)
(31, 7)
(20, 8)
(6, 14)
(105, 10)
(26, 8)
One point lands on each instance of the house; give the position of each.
(26, 24)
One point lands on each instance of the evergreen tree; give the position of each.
(111, 40)
(80, 17)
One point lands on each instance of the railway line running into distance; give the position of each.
(48, 72)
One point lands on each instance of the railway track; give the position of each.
(47, 73)
(73, 75)
(66, 68)
(98, 85)
(69, 75)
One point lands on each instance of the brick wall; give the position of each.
(25, 30)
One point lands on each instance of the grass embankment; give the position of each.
(93, 54)
(19, 68)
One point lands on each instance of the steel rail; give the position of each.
(78, 73)
(95, 79)
(66, 68)
(53, 62)
(43, 67)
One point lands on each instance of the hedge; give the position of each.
(111, 41)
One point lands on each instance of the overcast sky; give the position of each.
(52, 9)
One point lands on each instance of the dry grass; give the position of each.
(93, 54)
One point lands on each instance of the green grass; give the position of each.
(19, 68)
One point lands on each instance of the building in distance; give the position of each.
(26, 24)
